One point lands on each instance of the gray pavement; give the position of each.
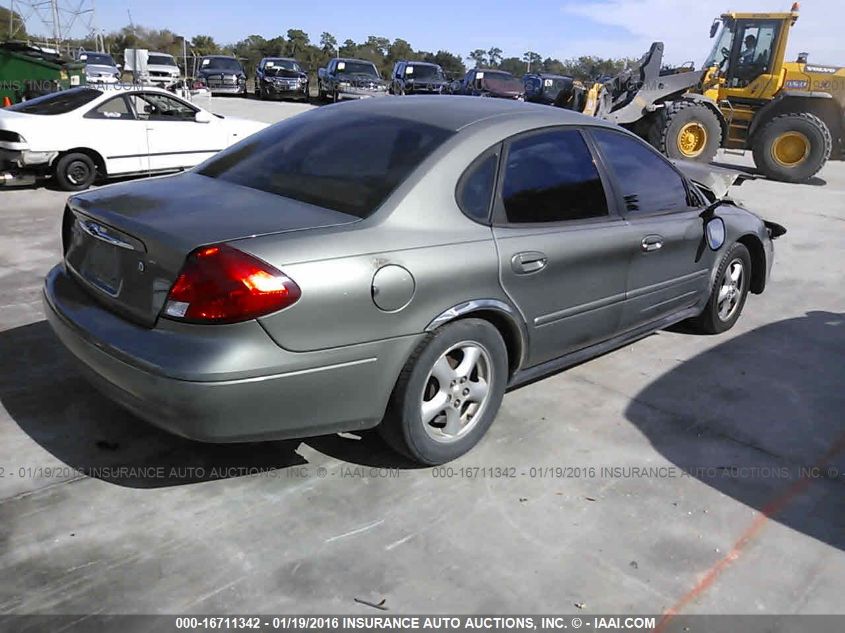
(165, 525)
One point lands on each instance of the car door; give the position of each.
(113, 130)
(668, 263)
(561, 257)
(174, 137)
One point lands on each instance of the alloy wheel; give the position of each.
(456, 391)
(731, 289)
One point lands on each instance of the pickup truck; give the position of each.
(489, 83)
(350, 79)
(410, 78)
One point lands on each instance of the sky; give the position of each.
(553, 28)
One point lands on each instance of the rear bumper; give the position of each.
(226, 384)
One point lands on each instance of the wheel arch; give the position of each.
(819, 104)
(500, 315)
(758, 261)
(99, 161)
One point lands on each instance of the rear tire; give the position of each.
(75, 172)
(687, 130)
(792, 147)
(728, 295)
(448, 393)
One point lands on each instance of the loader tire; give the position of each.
(792, 147)
(687, 130)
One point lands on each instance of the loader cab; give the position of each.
(748, 52)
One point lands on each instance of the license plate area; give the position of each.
(100, 266)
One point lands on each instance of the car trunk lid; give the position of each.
(127, 243)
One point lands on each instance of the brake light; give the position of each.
(220, 284)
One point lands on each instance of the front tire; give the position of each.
(75, 172)
(687, 130)
(792, 147)
(448, 393)
(727, 298)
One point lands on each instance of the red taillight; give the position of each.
(220, 284)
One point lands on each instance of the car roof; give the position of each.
(455, 112)
(353, 59)
(281, 59)
(418, 63)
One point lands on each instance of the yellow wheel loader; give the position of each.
(791, 115)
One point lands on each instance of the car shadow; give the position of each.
(44, 394)
(760, 419)
(814, 181)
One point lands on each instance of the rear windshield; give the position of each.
(57, 102)
(345, 161)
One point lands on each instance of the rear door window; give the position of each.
(551, 177)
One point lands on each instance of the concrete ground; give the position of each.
(724, 522)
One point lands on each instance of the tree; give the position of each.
(451, 64)
(479, 56)
(532, 60)
(513, 65)
(328, 43)
(204, 45)
(400, 49)
(494, 56)
(297, 41)
(7, 18)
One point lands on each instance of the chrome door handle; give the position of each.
(528, 262)
(652, 243)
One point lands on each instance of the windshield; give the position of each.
(161, 60)
(221, 63)
(424, 71)
(341, 159)
(57, 102)
(97, 58)
(357, 68)
(724, 40)
(273, 66)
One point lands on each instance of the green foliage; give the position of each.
(5, 22)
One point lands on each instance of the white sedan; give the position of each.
(76, 136)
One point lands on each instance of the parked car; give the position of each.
(100, 68)
(350, 79)
(158, 69)
(395, 263)
(281, 77)
(546, 87)
(76, 136)
(410, 78)
(222, 75)
(489, 83)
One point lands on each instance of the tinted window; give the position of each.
(476, 188)
(348, 161)
(357, 68)
(649, 184)
(57, 102)
(551, 177)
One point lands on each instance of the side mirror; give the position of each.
(714, 28)
(202, 117)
